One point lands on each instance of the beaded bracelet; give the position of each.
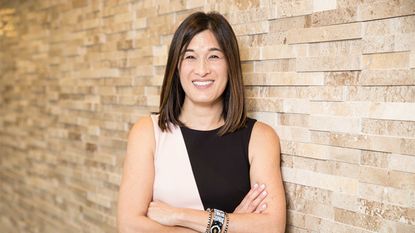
(225, 230)
(210, 211)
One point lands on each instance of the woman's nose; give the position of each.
(202, 68)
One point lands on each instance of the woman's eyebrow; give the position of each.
(211, 49)
(215, 49)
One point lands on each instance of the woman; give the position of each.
(191, 167)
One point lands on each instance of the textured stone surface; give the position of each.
(335, 79)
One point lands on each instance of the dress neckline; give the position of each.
(202, 131)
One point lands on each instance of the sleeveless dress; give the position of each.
(199, 169)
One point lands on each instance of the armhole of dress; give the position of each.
(156, 130)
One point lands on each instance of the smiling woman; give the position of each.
(203, 73)
(200, 164)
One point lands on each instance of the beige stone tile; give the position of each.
(296, 105)
(395, 111)
(312, 222)
(326, 93)
(374, 159)
(344, 201)
(334, 63)
(248, 15)
(293, 91)
(283, 79)
(379, 44)
(373, 175)
(372, 192)
(190, 4)
(281, 65)
(291, 8)
(289, 119)
(251, 28)
(270, 118)
(386, 110)
(400, 197)
(277, 52)
(319, 180)
(384, 9)
(412, 61)
(404, 228)
(334, 16)
(371, 223)
(402, 180)
(346, 155)
(293, 133)
(247, 67)
(389, 127)
(321, 5)
(325, 33)
(329, 225)
(381, 94)
(249, 54)
(295, 218)
(285, 24)
(99, 199)
(286, 160)
(172, 6)
(387, 77)
(347, 78)
(264, 104)
(408, 146)
(382, 61)
(335, 48)
(402, 163)
(336, 124)
(140, 23)
(386, 211)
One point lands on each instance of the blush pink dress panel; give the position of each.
(174, 182)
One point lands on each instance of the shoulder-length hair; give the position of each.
(172, 94)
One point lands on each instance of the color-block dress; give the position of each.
(199, 169)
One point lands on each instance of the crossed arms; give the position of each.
(256, 213)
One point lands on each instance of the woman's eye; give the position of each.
(189, 57)
(214, 56)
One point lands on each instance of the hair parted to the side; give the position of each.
(172, 94)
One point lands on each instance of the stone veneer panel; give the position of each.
(336, 80)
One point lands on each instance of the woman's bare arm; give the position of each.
(136, 188)
(264, 153)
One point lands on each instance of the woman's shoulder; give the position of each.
(264, 142)
(263, 135)
(143, 126)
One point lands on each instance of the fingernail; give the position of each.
(255, 185)
(264, 193)
(262, 186)
(264, 206)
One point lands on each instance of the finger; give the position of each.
(261, 208)
(256, 198)
(244, 203)
(257, 201)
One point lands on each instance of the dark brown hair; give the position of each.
(172, 93)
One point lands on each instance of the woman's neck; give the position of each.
(202, 117)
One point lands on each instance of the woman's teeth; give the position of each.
(202, 83)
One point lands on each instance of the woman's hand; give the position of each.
(253, 202)
(162, 213)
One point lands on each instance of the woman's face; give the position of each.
(203, 70)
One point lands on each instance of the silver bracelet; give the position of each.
(218, 220)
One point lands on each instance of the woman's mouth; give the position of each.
(203, 84)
